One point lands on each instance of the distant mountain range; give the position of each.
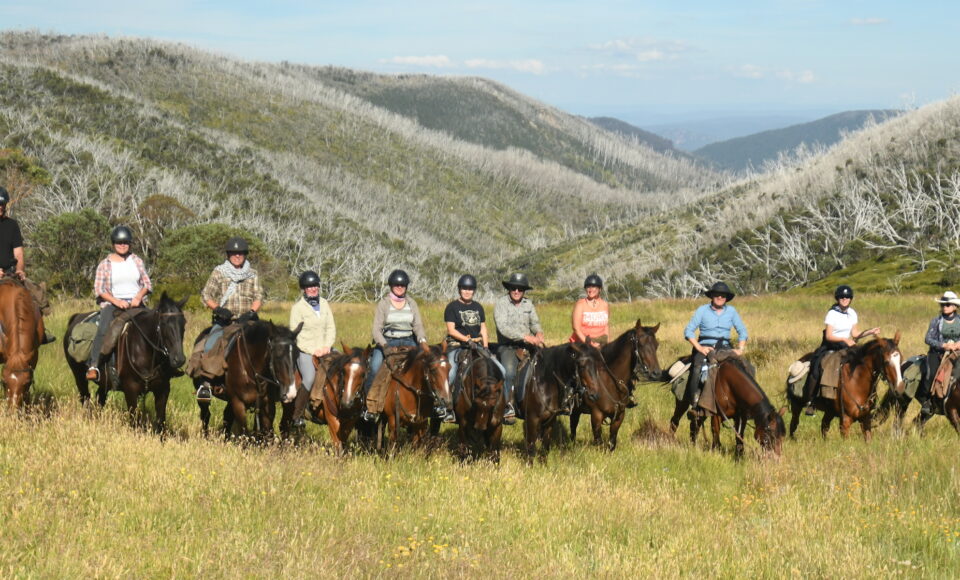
(694, 134)
(654, 141)
(753, 151)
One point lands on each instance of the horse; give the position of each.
(149, 352)
(21, 331)
(738, 396)
(341, 392)
(898, 402)
(419, 383)
(545, 396)
(860, 370)
(479, 405)
(633, 353)
(260, 366)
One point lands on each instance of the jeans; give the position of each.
(106, 317)
(216, 331)
(376, 358)
(509, 362)
(932, 366)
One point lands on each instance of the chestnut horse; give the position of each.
(149, 351)
(341, 388)
(554, 371)
(419, 383)
(860, 370)
(479, 405)
(633, 353)
(738, 396)
(21, 329)
(260, 366)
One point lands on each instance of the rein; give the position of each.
(162, 349)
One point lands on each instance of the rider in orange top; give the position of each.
(591, 314)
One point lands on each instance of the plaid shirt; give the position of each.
(103, 281)
(248, 292)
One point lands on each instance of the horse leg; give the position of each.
(493, 443)
(333, 424)
(615, 428)
(131, 394)
(160, 396)
(867, 427)
(546, 437)
(228, 419)
(678, 410)
(267, 415)
(825, 423)
(796, 406)
(531, 427)
(205, 418)
(739, 426)
(596, 425)
(845, 422)
(715, 430)
(574, 422)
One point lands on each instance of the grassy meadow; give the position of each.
(82, 494)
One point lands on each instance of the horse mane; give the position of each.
(764, 406)
(857, 354)
(258, 331)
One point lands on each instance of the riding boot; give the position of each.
(926, 406)
(299, 405)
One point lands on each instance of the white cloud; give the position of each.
(531, 66)
(435, 61)
(642, 49)
(751, 71)
(868, 21)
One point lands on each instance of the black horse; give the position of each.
(148, 353)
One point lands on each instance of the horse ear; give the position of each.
(345, 347)
(782, 411)
(297, 330)
(638, 325)
(655, 328)
(183, 302)
(896, 338)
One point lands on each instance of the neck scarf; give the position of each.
(315, 301)
(235, 275)
(396, 298)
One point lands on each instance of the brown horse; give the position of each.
(148, 353)
(21, 330)
(861, 369)
(632, 354)
(557, 376)
(479, 405)
(739, 397)
(419, 383)
(341, 388)
(260, 366)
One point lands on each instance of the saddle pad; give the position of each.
(913, 374)
(942, 380)
(828, 392)
(831, 369)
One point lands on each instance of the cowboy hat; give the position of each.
(719, 289)
(517, 280)
(948, 298)
(677, 369)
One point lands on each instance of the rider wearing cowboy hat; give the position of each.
(714, 321)
(518, 326)
(943, 336)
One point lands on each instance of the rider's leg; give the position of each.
(923, 390)
(508, 364)
(307, 373)
(692, 394)
(106, 317)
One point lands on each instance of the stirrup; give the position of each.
(809, 410)
(370, 417)
(203, 393)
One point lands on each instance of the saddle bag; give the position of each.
(80, 341)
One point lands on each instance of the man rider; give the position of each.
(713, 321)
(518, 327)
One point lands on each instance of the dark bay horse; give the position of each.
(260, 366)
(148, 352)
(862, 367)
(479, 406)
(897, 403)
(738, 396)
(633, 354)
(419, 382)
(559, 373)
(341, 392)
(21, 330)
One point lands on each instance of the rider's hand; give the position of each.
(122, 304)
(705, 350)
(222, 313)
(136, 302)
(321, 351)
(738, 351)
(21, 274)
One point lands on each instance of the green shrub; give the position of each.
(66, 249)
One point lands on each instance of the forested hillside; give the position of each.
(185, 144)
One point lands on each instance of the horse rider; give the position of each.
(518, 327)
(840, 332)
(12, 261)
(466, 326)
(709, 330)
(121, 283)
(315, 338)
(943, 336)
(233, 287)
(396, 323)
(591, 314)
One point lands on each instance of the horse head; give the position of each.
(172, 324)
(770, 431)
(645, 345)
(354, 372)
(587, 358)
(892, 362)
(436, 373)
(283, 355)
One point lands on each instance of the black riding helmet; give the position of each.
(843, 291)
(236, 245)
(467, 282)
(398, 278)
(121, 235)
(593, 280)
(309, 279)
(4, 196)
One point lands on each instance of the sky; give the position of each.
(642, 61)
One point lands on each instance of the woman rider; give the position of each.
(840, 332)
(316, 336)
(713, 321)
(518, 327)
(466, 322)
(121, 283)
(591, 314)
(943, 336)
(396, 323)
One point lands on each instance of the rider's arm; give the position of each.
(484, 339)
(212, 290)
(379, 317)
(831, 337)
(934, 339)
(577, 318)
(690, 332)
(18, 256)
(418, 328)
(452, 331)
(329, 332)
(857, 335)
(257, 295)
(741, 331)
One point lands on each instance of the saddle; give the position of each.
(945, 380)
(117, 326)
(212, 364)
(708, 401)
(316, 390)
(378, 388)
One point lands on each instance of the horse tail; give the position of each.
(889, 400)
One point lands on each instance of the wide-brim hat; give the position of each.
(677, 369)
(948, 298)
(719, 289)
(517, 280)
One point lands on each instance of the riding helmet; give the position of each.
(593, 280)
(4, 196)
(237, 245)
(121, 235)
(467, 282)
(719, 289)
(398, 278)
(309, 279)
(517, 280)
(843, 291)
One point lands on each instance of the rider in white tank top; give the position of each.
(124, 279)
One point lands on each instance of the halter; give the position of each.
(417, 392)
(161, 348)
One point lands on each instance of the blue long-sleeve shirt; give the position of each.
(714, 325)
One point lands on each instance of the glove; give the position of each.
(247, 316)
(222, 316)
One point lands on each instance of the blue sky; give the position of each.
(640, 60)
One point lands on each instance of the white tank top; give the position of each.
(124, 279)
